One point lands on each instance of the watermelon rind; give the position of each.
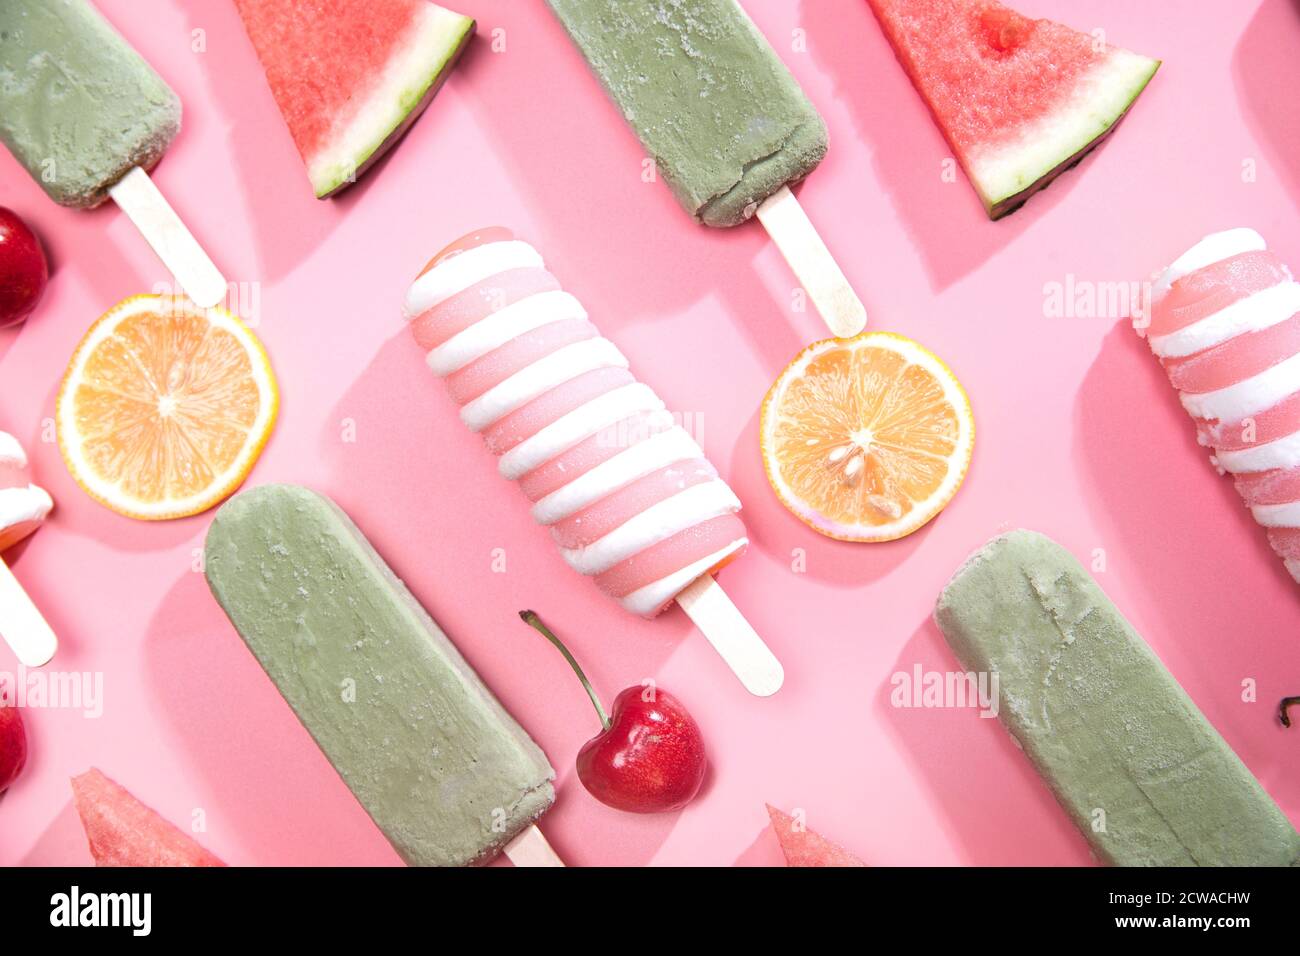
(1007, 175)
(410, 80)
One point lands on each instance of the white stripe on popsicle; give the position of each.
(23, 504)
(1248, 397)
(1280, 453)
(651, 597)
(459, 272)
(1213, 248)
(656, 451)
(1278, 516)
(11, 452)
(659, 522)
(578, 425)
(502, 326)
(1251, 314)
(531, 381)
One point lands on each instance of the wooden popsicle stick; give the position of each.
(180, 252)
(732, 636)
(21, 623)
(531, 849)
(812, 263)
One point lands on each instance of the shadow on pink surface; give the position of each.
(237, 729)
(1267, 73)
(79, 514)
(85, 239)
(616, 649)
(765, 851)
(464, 509)
(8, 337)
(273, 795)
(63, 843)
(259, 144)
(609, 837)
(1162, 498)
(946, 221)
(439, 527)
(994, 804)
(663, 270)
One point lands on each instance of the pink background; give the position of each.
(1079, 436)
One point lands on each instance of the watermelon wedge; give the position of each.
(1019, 100)
(350, 77)
(124, 832)
(802, 847)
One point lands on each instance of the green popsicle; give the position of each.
(78, 106)
(1141, 771)
(442, 769)
(709, 99)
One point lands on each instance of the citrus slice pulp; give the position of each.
(165, 407)
(868, 438)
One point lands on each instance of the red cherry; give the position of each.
(13, 743)
(23, 269)
(649, 757)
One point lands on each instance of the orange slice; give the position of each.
(868, 438)
(165, 407)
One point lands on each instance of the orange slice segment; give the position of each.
(165, 407)
(868, 438)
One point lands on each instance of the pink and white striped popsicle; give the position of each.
(1225, 324)
(625, 491)
(23, 506)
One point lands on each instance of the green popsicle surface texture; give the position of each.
(1141, 771)
(78, 106)
(709, 99)
(441, 767)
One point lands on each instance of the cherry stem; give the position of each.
(1284, 709)
(532, 620)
